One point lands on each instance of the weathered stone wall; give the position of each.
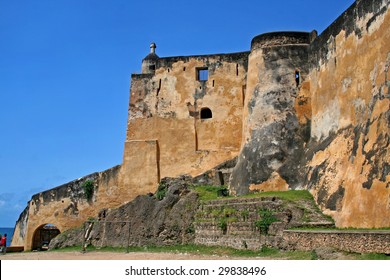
(232, 222)
(349, 241)
(166, 107)
(241, 232)
(146, 220)
(348, 155)
(331, 133)
(274, 139)
(66, 206)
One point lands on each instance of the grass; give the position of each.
(208, 192)
(291, 195)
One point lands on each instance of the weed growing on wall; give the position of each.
(88, 188)
(161, 191)
(266, 219)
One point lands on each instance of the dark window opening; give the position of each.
(213, 83)
(202, 74)
(168, 70)
(205, 113)
(236, 69)
(152, 67)
(184, 69)
(297, 77)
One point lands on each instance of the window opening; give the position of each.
(205, 113)
(213, 83)
(202, 74)
(184, 69)
(236, 69)
(152, 67)
(297, 77)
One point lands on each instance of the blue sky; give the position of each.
(65, 69)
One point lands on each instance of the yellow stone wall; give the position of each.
(165, 107)
(350, 103)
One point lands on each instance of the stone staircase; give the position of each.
(250, 223)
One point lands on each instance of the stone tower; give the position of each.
(273, 138)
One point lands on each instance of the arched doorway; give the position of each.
(43, 235)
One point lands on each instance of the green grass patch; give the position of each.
(208, 192)
(373, 256)
(291, 195)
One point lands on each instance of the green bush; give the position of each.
(222, 224)
(244, 214)
(161, 191)
(88, 188)
(266, 219)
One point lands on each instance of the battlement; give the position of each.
(274, 39)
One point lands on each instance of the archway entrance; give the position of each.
(43, 235)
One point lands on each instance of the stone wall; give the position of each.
(66, 206)
(166, 106)
(348, 155)
(232, 222)
(330, 134)
(274, 139)
(146, 220)
(349, 241)
(241, 233)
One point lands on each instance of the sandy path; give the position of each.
(109, 256)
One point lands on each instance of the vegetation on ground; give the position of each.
(161, 191)
(264, 252)
(266, 219)
(208, 192)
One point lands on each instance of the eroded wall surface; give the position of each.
(274, 137)
(166, 107)
(349, 156)
(67, 207)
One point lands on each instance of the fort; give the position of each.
(298, 111)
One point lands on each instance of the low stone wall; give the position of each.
(350, 241)
(223, 223)
(232, 222)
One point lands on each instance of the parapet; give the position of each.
(273, 39)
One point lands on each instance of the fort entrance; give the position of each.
(43, 235)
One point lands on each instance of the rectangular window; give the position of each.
(202, 74)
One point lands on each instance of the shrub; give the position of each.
(222, 224)
(266, 219)
(161, 191)
(244, 214)
(88, 188)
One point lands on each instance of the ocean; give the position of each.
(9, 232)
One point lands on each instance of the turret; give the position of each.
(149, 63)
(272, 140)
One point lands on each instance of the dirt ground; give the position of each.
(48, 255)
